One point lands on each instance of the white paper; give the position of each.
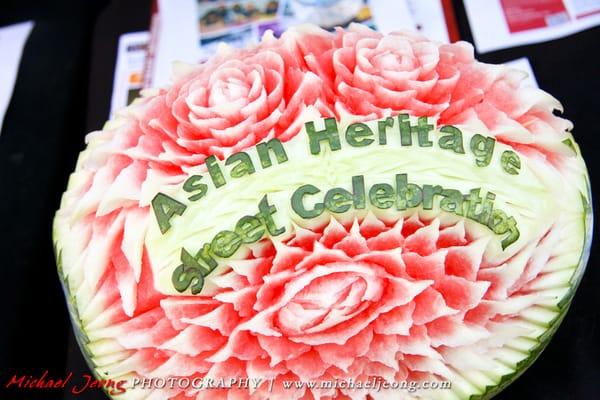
(524, 65)
(177, 38)
(429, 19)
(392, 15)
(129, 68)
(12, 42)
(424, 16)
(192, 30)
(491, 30)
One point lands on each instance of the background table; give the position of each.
(63, 91)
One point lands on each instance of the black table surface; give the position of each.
(63, 91)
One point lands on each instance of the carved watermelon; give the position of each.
(325, 210)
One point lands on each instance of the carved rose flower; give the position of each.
(371, 75)
(365, 301)
(335, 302)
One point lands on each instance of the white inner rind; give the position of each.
(539, 197)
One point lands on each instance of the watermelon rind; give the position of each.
(474, 386)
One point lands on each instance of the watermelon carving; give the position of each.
(325, 210)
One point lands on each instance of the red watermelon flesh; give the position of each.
(407, 297)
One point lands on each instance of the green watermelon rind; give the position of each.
(523, 365)
(79, 332)
(563, 306)
(490, 390)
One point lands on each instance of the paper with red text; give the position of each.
(498, 24)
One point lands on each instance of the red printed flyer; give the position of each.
(498, 24)
(523, 15)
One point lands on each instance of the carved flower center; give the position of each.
(227, 91)
(388, 60)
(326, 302)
